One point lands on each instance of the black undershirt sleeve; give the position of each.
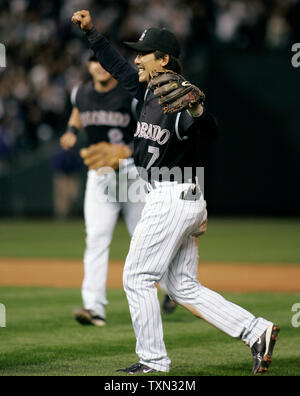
(205, 126)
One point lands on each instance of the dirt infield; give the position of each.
(218, 276)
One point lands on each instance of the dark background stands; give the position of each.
(237, 51)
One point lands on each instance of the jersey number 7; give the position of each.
(155, 155)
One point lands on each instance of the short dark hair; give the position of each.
(174, 63)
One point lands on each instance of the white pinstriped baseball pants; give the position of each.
(163, 247)
(100, 217)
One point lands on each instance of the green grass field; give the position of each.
(235, 240)
(42, 339)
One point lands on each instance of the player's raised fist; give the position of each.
(83, 19)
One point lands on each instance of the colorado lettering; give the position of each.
(152, 132)
(103, 117)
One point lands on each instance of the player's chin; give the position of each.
(143, 77)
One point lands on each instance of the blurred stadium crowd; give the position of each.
(46, 54)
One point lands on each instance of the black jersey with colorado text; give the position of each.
(160, 141)
(105, 116)
(164, 141)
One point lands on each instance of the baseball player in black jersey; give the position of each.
(105, 111)
(172, 122)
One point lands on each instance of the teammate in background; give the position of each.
(163, 246)
(104, 109)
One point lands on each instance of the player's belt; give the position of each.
(191, 193)
(155, 183)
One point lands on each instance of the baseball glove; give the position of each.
(175, 93)
(104, 154)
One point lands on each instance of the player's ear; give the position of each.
(165, 60)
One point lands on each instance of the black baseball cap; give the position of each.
(155, 39)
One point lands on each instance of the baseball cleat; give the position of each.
(137, 368)
(88, 317)
(168, 305)
(262, 350)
